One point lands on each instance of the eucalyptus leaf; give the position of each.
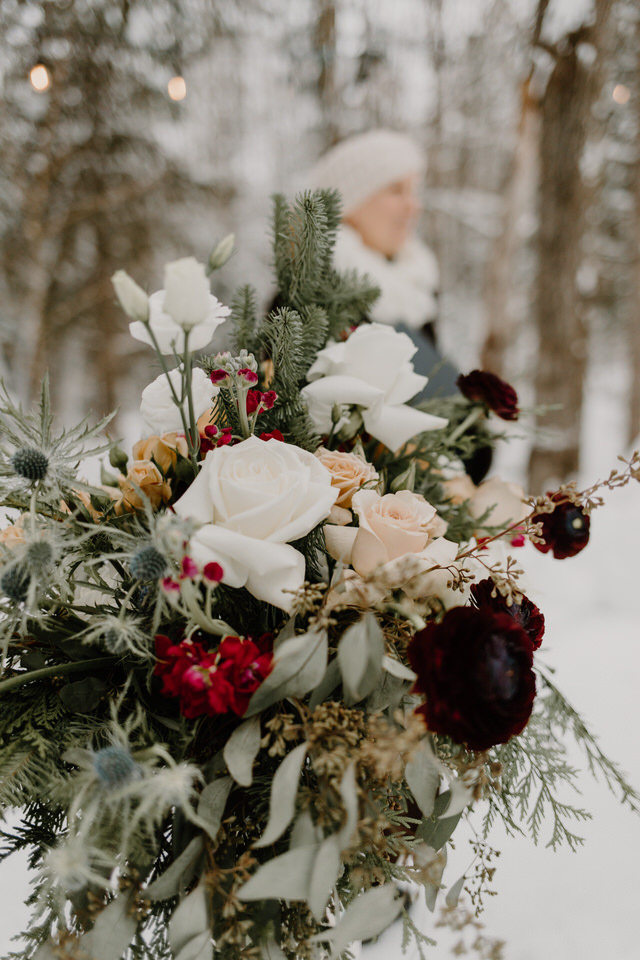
(397, 669)
(460, 797)
(299, 666)
(271, 951)
(112, 932)
(453, 893)
(303, 832)
(213, 800)
(360, 654)
(423, 773)
(241, 750)
(199, 947)
(287, 877)
(189, 921)
(178, 874)
(284, 789)
(326, 870)
(327, 685)
(349, 795)
(367, 916)
(436, 831)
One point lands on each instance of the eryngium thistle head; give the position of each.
(148, 564)
(115, 767)
(14, 582)
(30, 463)
(39, 556)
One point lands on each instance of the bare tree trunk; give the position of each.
(634, 327)
(324, 41)
(499, 321)
(562, 333)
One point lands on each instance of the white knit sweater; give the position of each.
(408, 283)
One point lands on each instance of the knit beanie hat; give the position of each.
(365, 163)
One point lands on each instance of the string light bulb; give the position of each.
(621, 94)
(177, 88)
(39, 77)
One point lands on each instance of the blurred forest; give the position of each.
(528, 111)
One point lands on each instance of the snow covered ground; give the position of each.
(563, 905)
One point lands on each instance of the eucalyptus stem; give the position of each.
(468, 421)
(74, 666)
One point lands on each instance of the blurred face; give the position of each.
(386, 219)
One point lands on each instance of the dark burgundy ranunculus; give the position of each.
(565, 530)
(475, 669)
(487, 388)
(525, 613)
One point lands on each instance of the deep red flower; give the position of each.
(525, 613)
(272, 435)
(264, 401)
(565, 530)
(212, 681)
(487, 388)
(475, 669)
(220, 377)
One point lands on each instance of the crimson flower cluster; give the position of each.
(565, 530)
(475, 668)
(484, 387)
(215, 681)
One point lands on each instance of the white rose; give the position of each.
(184, 305)
(159, 412)
(372, 369)
(253, 499)
(133, 299)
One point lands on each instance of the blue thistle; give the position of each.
(115, 767)
(15, 581)
(30, 463)
(148, 564)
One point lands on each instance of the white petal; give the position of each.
(396, 425)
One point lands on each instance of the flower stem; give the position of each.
(54, 671)
(468, 421)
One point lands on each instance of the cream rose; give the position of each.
(184, 305)
(506, 501)
(158, 409)
(252, 500)
(371, 370)
(13, 535)
(348, 472)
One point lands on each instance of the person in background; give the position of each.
(379, 175)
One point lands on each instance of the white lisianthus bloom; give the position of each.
(159, 412)
(252, 499)
(185, 305)
(133, 299)
(372, 370)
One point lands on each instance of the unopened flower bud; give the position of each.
(221, 252)
(30, 463)
(133, 299)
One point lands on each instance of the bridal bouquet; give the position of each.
(253, 679)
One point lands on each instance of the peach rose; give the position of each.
(143, 480)
(162, 450)
(348, 472)
(13, 536)
(505, 500)
(391, 526)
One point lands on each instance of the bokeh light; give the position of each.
(621, 93)
(177, 88)
(39, 77)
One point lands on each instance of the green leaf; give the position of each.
(453, 893)
(326, 870)
(360, 654)
(190, 922)
(397, 669)
(299, 666)
(327, 685)
(436, 829)
(303, 832)
(286, 877)
(198, 948)
(423, 774)
(83, 696)
(241, 750)
(212, 802)
(112, 932)
(178, 874)
(284, 789)
(367, 916)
